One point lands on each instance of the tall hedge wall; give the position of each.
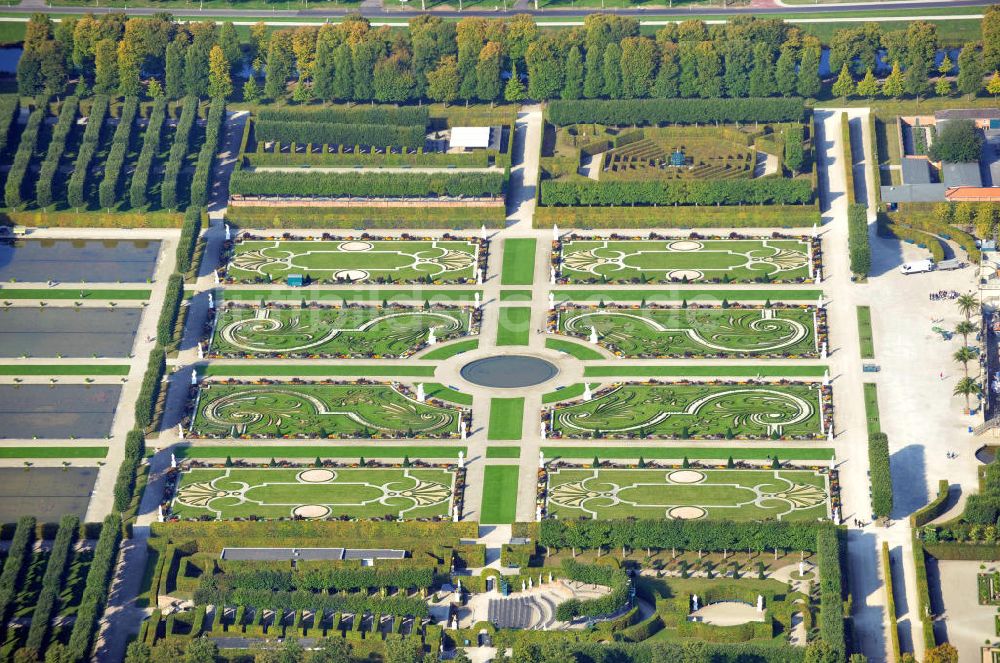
(373, 185)
(676, 111)
(762, 191)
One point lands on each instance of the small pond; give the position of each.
(67, 332)
(509, 372)
(78, 261)
(57, 411)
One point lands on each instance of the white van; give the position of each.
(917, 266)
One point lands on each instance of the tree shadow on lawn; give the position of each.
(908, 468)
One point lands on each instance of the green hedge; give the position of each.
(702, 216)
(336, 133)
(23, 157)
(773, 190)
(302, 600)
(933, 510)
(172, 299)
(890, 607)
(54, 152)
(923, 592)
(135, 448)
(371, 159)
(52, 583)
(879, 474)
(312, 577)
(95, 592)
(150, 147)
(858, 245)
(18, 554)
(114, 165)
(149, 392)
(594, 574)
(875, 165)
(206, 156)
(675, 111)
(829, 550)
(384, 115)
(388, 185)
(178, 153)
(10, 106)
(795, 156)
(845, 130)
(76, 189)
(190, 232)
(367, 217)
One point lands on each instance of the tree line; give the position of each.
(479, 59)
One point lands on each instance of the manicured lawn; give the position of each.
(326, 370)
(53, 452)
(76, 295)
(71, 369)
(566, 393)
(865, 332)
(518, 261)
(456, 348)
(435, 390)
(506, 416)
(499, 505)
(503, 452)
(515, 295)
(704, 371)
(692, 453)
(313, 493)
(372, 294)
(693, 410)
(871, 408)
(514, 326)
(351, 410)
(682, 332)
(266, 452)
(401, 261)
(243, 331)
(684, 260)
(573, 349)
(732, 494)
(702, 296)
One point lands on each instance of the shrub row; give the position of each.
(675, 111)
(923, 592)
(206, 156)
(876, 163)
(927, 223)
(55, 569)
(906, 234)
(594, 574)
(879, 474)
(763, 191)
(933, 510)
(795, 155)
(171, 309)
(53, 153)
(890, 606)
(829, 550)
(845, 133)
(727, 634)
(135, 448)
(13, 569)
(149, 392)
(23, 157)
(303, 600)
(374, 158)
(337, 133)
(381, 185)
(317, 579)
(76, 194)
(150, 146)
(178, 153)
(10, 105)
(712, 535)
(367, 217)
(689, 216)
(107, 191)
(857, 240)
(190, 232)
(95, 592)
(386, 115)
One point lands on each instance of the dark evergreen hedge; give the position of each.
(857, 240)
(206, 156)
(107, 191)
(676, 111)
(135, 447)
(150, 146)
(880, 476)
(10, 104)
(382, 115)
(53, 153)
(763, 191)
(22, 158)
(17, 560)
(188, 239)
(172, 298)
(95, 592)
(178, 153)
(336, 133)
(149, 392)
(371, 185)
(52, 583)
(829, 549)
(76, 189)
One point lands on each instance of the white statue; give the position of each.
(228, 235)
(694, 598)
(802, 569)
(823, 351)
(476, 299)
(201, 351)
(420, 392)
(216, 275)
(593, 334)
(541, 458)
(819, 302)
(180, 432)
(586, 392)
(461, 429)
(194, 376)
(552, 301)
(431, 339)
(760, 603)
(461, 459)
(159, 514)
(555, 233)
(826, 378)
(542, 433)
(482, 231)
(552, 275)
(538, 513)
(479, 277)
(173, 460)
(211, 301)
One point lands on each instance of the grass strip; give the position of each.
(506, 415)
(359, 295)
(691, 295)
(53, 452)
(692, 453)
(514, 326)
(573, 349)
(704, 371)
(499, 506)
(435, 390)
(49, 294)
(566, 393)
(518, 261)
(515, 295)
(63, 369)
(865, 332)
(503, 452)
(453, 349)
(243, 370)
(354, 451)
(890, 604)
(871, 408)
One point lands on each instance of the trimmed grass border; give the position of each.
(506, 418)
(452, 349)
(692, 295)
(692, 453)
(49, 294)
(566, 393)
(518, 261)
(284, 369)
(515, 295)
(63, 369)
(577, 350)
(53, 452)
(680, 370)
(871, 408)
(514, 326)
(367, 294)
(436, 390)
(865, 332)
(503, 452)
(499, 506)
(352, 451)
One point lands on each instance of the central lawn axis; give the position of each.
(506, 418)
(518, 261)
(499, 505)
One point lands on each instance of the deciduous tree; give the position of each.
(220, 82)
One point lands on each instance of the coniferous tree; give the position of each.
(844, 85)
(809, 83)
(785, 77)
(612, 71)
(573, 80)
(220, 82)
(175, 70)
(105, 67)
(893, 86)
(514, 90)
(868, 86)
(593, 82)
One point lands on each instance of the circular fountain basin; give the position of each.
(509, 371)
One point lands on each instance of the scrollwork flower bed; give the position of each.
(696, 258)
(683, 409)
(357, 409)
(364, 258)
(318, 331)
(789, 331)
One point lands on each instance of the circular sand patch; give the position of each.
(686, 476)
(311, 511)
(317, 476)
(351, 274)
(685, 245)
(355, 246)
(689, 274)
(686, 513)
